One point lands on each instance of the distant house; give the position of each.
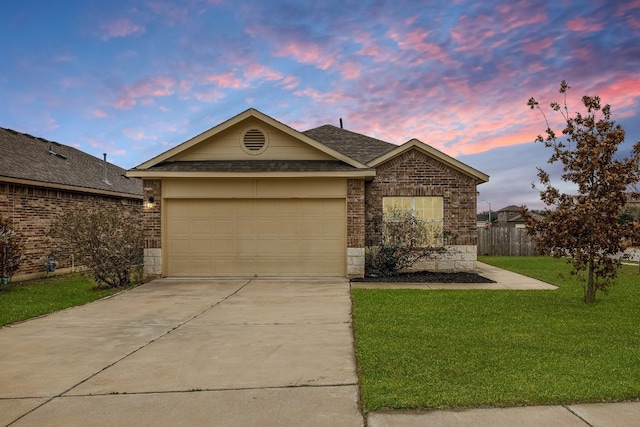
(510, 217)
(40, 180)
(254, 197)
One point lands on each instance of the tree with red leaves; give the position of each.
(584, 227)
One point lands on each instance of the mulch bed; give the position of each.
(429, 277)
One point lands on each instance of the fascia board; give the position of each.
(251, 112)
(480, 177)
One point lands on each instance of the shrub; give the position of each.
(402, 241)
(106, 240)
(11, 249)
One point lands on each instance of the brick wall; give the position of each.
(33, 209)
(415, 174)
(355, 213)
(355, 227)
(151, 219)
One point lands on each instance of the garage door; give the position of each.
(256, 237)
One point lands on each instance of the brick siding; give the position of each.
(152, 221)
(33, 209)
(415, 174)
(355, 213)
(151, 216)
(355, 228)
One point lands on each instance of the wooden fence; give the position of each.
(505, 241)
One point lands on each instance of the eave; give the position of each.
(250, 113)
(478, 176)
(73, 188)
(151, 174)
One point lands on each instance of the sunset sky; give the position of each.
(134, 78)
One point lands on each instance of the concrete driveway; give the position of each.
(187, 352)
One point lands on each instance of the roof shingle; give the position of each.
(359, 147)
(254, 166)
(23, 156)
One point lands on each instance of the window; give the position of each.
(427, 210)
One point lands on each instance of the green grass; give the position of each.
(474, 348)
(22, 301)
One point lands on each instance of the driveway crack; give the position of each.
(200, 313)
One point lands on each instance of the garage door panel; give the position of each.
(264, 237)
(179, 227)
(200, 226)
(179, 247)
(221, 246)
(200, 247)
(201, 266)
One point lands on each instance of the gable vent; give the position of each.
(254, 141)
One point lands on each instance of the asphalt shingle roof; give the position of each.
(23, 156)
(357, 146)
(253, 166)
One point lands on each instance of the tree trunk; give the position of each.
(590, 291)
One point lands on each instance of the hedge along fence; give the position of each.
(508, 241)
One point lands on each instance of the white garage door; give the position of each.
(256, 237)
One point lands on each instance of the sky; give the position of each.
(135, 78)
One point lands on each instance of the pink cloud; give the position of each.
(517, 14)
(327, 98)
(145, 89)
(416, 40)
(208, 95)
(306, 53)
(106, 147)
(581, 24)
(121, 27)
(137, 134)
(50, 123)
(634, 23)
(472, 34)
(259, 71)
(351, 70)
(226, 80)
(622, 93)
(537, 46)
(625, 7)
(477, 33)
(100, 113)
(290, 82)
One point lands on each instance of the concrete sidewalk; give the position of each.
(625, 414)
(187, 353)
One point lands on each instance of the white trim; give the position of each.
(434, 153)
(250, 113)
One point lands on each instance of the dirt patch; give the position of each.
(429, 277)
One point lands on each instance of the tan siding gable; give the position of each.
(227, 145)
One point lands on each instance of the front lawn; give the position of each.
(22, 301)
(473, 348)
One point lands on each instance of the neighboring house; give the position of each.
(254, 197)
(41, 180)
(509, 217)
